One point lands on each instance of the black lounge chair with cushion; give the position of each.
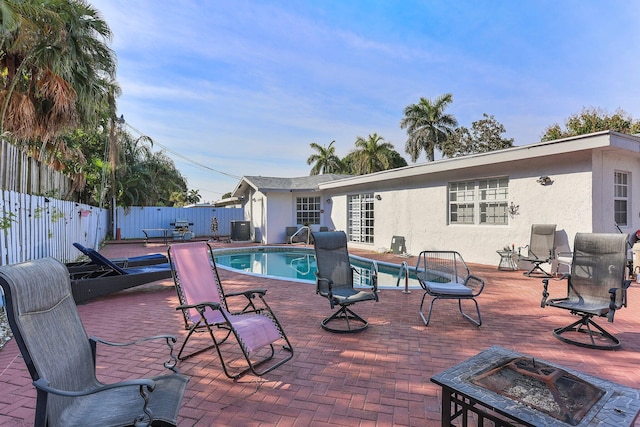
(109, 277)
(61, 358)
(540, 250)
(596, 287)
(203, 303)
(90, 264)
(335, 281)
(444, 275)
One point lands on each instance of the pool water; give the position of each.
(300, 265)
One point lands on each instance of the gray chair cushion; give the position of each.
(449, 288)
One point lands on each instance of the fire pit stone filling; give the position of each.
(543, 387)
(533, 392)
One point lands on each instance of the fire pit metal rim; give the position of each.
(458, 378)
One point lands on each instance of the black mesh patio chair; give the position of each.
(596, 287)
(335, 281)
(540, 250)
(444, 275)
(203, 303)
(61, 358)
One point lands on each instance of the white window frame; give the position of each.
(360, 218)
(479, 202)
(462, 201)
(621, 197)
(308, 210)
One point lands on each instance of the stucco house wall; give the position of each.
(419, 211)
(269, 204)
(413, 201)
(282, 205)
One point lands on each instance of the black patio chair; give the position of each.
(596, 287)
(61, 358)
(540, 250)
(444, 275)
(335, 281)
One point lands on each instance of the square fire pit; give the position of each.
(506, 388)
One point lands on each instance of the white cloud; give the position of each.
(244, 86)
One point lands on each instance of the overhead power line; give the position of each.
(175, 153)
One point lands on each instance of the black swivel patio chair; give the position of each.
(540, 250)
(335, 281)
(596, 287)
(444, 275)
(61, 358)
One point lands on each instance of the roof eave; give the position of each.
(541, 149)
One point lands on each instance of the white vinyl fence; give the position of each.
(33, 227)
(133, 220)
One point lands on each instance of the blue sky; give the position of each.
(242, 87)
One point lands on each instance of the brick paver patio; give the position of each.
(378, 377)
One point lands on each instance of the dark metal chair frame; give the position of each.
(335, 281)
(444, 275)
(540, 250)
(61, 358)
(217, 306)
(596, 287)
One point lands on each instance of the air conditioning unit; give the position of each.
(240, 231)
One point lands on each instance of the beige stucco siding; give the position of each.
(281, 209)
(419, 212)
(413, 201)
(606, 163)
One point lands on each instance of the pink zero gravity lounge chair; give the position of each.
(204, 306)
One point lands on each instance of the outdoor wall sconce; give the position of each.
(544, 180)
(513, 209)
(378, 197)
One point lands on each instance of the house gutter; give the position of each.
(599, 140)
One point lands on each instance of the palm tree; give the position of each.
(146, 178)
(325, 160)
(58, 68)
(372, 155)
(427, 126)
(193, 196)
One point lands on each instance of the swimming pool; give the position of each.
(299, 264)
